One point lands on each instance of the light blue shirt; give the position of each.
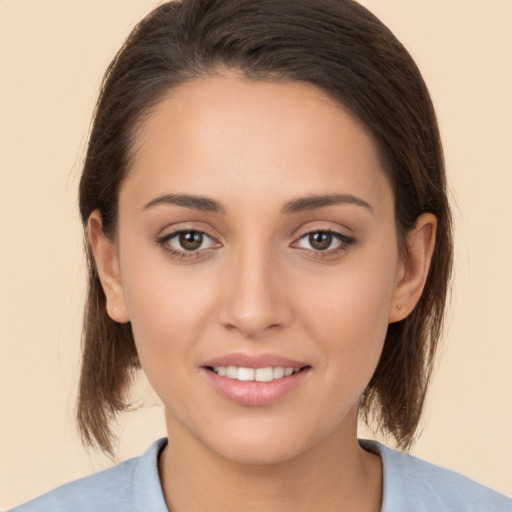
(410, 485)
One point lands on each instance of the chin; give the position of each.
(260, 444)
(254, 453)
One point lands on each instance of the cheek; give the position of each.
(168, 309)
(347, 314)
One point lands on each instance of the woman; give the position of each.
(265, 206)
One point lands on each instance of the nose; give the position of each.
(254, 295)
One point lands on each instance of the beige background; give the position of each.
(52, 55)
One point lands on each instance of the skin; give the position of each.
(258, 285)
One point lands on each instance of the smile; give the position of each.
(255, 379)
(266, 374)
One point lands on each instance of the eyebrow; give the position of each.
(188, 201)
(312, 202)
(298, 205)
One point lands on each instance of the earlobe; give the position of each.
(414, 269)
(107, 265)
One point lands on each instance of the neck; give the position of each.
(336, 475)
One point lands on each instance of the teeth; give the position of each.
(246, 374)
(254, 374)
(264, 374)
(232, 372)
(278, 372)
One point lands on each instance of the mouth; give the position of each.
(264, 374)
(256, 381)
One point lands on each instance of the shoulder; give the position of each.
(94, 492)
(116, 489)
(411, 484)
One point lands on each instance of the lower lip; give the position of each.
(253, 393)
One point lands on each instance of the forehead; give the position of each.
(226, 136)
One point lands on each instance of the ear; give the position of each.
(413, 270)
(107, 265)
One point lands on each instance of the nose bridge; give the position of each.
(254, 298)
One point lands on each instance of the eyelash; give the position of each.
(183, 254)
(345, 242)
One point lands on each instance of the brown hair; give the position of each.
(336, 45)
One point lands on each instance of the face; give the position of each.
(256, 238)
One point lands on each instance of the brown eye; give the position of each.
(190, 240)
(188, 244)
(320, 240)
(324, 243)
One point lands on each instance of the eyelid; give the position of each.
(176, 234)
(342, 237)
(183, 254)
(346, 242)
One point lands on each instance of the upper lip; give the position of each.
(255, 361)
